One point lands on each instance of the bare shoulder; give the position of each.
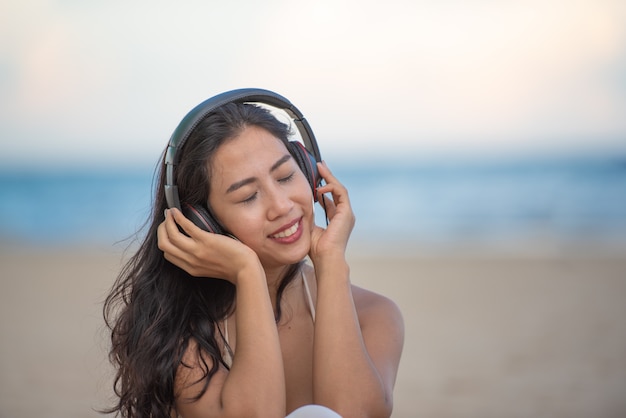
(382, 328)
(376, 310)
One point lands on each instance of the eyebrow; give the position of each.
(239, 184)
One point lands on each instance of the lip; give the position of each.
(292, 238)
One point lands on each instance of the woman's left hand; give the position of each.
(333, 240)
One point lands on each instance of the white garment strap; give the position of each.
(308, 295)
(228, 354)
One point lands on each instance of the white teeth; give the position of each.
(287, 232)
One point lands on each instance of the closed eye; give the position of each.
(249, 199)
(288, 178)
(282, 180)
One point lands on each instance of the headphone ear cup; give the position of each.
(307, 163)
(202, 218)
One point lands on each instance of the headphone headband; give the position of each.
(198, 113)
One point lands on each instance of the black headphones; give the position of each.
(305, 156)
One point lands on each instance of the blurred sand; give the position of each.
(486, 336)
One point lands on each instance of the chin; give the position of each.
(288, 256)
(293, 257)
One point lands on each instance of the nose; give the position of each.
(279, 203)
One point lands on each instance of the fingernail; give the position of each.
(165, 213)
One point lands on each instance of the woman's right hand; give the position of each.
(201, 253)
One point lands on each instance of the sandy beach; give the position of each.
(540, 335)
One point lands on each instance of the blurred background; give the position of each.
(464, 130)
(450, 122)
(454, 121)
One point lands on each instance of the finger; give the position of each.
(179, 220)
(164, 242)
(177, 261)
(179, 227)
(170, 226)
(179, 250)
(191, 229)
(325, 172)
(327, 175)
(328, 204)
(179, 243)
(183, 264)
(175, 245)
(338, 192)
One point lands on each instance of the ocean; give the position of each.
(426, 203)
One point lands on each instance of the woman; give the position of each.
(204, 325)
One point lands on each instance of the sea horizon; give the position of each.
(560, 201)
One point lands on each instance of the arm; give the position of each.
(255, 384)
(356, 352)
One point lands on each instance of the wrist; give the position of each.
(249, 271)
(335, 266)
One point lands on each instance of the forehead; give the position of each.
(249, 154)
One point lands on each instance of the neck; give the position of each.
(274, 278)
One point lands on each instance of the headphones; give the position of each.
(306, 156)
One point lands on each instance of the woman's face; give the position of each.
(261, 196)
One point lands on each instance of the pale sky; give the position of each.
(83, 81)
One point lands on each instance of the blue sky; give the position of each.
(87, 82)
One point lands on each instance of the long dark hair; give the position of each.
(155, 308)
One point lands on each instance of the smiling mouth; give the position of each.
(286, 233)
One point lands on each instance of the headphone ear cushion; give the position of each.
(202, 218)
(307, 163)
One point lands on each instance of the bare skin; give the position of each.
(348, 358)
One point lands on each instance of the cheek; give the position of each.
(304, 188)
(241, 222)
(245, 221)
(305, 200)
